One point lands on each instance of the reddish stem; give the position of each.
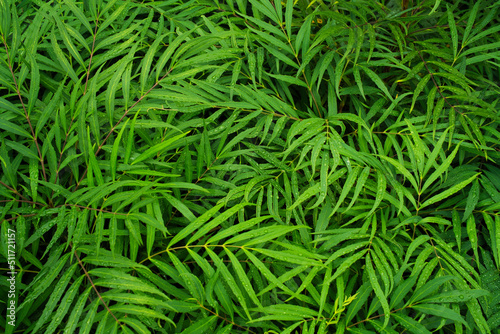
(24, 108)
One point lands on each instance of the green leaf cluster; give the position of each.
(250, 166)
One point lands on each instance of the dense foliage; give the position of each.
(199, 166)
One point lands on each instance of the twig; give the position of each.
(119, 121)
(94, 287)
(91, 53)
(24, 108)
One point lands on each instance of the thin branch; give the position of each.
(62, 150)
(225, 319)
(94, 287)
(435, 83)
(119, 121)
(66, 205)
(24, 108)
(91, 53)
(190, 190)
(14, 218)
(374, 317)
(13, 190)
(23, 201)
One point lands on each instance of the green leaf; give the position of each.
(114, 151)
(381, 190)
(429, 288)
(263, 234)
(157, 148)
(22, 149)
(136, 299)
(410, 324)
(378, 291)
(344, 250)
(207, 227)
(177, 204)
(419, 147)
(55, 296)
(359, 186)
(316, 188)
(253, 182)
(435, 152)
(115, 261)
(289, 17)
(79, 14)
(134, 324)
(13, 128)
(172, 47)
(472, 199)
(456, 296)
(34, 84)
(376, 79)
(288, 79)
(140, 311)
(267, 273)
(111, 18)
(447, 193)
(362, 295)
(402, 291)
(323, 179)
(64, 33)
(66, 66)
(46, 281)
(288, 257)
(195, 225)
(289, 310)
(346, 264)
(402, 169)
(77, 311)
(420, 87)
(115, 279)
(497, 229)
(151, 221)
(264, 8)
(472, 233)
(242, 276)
(453, 30)
(440, 311)
(148, 60)
(236, 166)
(414, 245)
(201, 326)
(441, 169)
(230, 280)
(111, 93)
(357, 78)
(233, 230)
